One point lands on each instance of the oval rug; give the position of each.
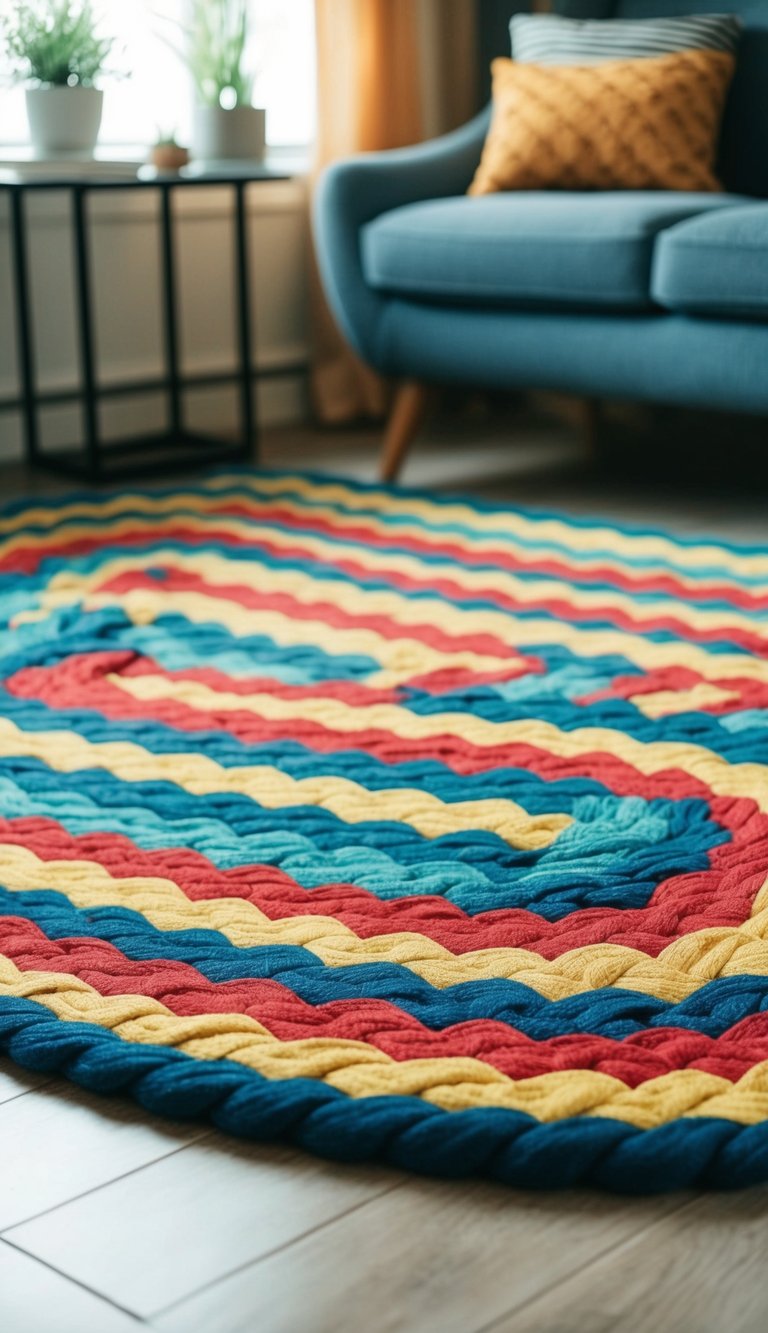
(404, 829)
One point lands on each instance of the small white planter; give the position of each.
(64, 122)
(222, 135)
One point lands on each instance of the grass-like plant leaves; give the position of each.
(55, 42)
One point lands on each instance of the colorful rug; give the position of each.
(400, 828)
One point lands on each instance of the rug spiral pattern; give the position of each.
(398, 827)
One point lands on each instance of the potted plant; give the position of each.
(166, 154)
(226, 124)
(55, 47)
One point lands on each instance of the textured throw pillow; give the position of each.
(547, 39)
(623, 125)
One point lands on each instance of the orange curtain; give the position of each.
(385, 68)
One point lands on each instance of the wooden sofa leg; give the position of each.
(405, 421)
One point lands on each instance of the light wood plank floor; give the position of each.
(113, 1220)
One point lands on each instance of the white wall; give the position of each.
(126, 268)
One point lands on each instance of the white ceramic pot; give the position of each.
(64, 122)
(221, 135)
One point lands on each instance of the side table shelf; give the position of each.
(176, 447)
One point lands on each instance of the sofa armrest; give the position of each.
(354, 192)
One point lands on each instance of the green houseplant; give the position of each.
(226, 124)
(56, 49)
(166, 153)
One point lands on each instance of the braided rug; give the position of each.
(401, 828)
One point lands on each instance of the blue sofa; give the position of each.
(637, 295)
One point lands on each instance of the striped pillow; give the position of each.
(548, 39)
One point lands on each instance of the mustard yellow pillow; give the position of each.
(649, 124)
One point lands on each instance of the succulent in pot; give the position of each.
(167, 154)
(226, 124)
(57, 51)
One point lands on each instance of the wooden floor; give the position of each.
(111, 1220)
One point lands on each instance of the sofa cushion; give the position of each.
(743, 162)
(551, 39)
(650, 124)
(715, 264)
(553, 249)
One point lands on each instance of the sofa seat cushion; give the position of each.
(715, 264)
(549, 249)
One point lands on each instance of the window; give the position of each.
(157, 90)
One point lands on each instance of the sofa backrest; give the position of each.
(493, 37)
(744, 142)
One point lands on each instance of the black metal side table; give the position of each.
(176, 446)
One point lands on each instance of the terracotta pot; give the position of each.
(169, 157)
